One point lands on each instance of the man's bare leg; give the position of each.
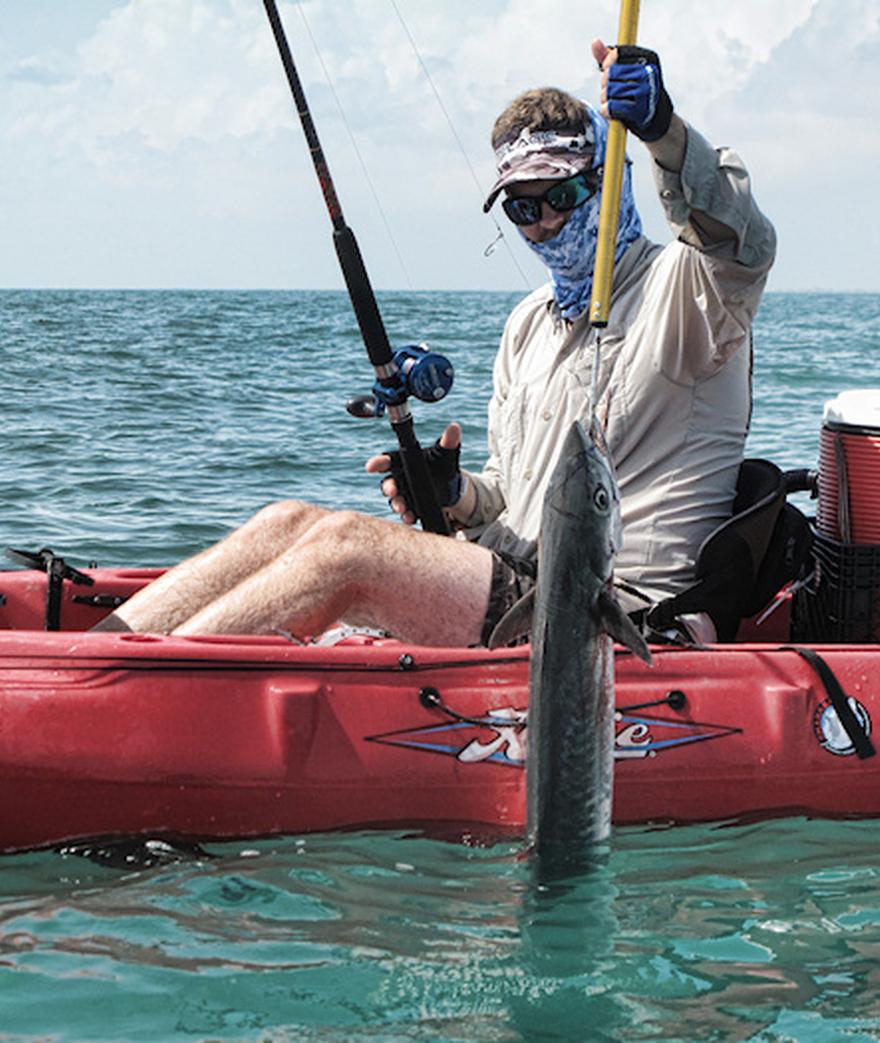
(420, 587)
(188, 587)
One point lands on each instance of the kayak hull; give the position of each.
(105, 734)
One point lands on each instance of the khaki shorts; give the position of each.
(512, 578)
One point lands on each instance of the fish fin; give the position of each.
(621, 627)
(516, 621)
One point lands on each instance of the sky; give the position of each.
(154, 144)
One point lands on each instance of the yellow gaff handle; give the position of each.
(612, 179)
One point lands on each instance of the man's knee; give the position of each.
(348, 544)
(345, 530)
(285, 516)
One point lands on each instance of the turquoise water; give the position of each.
(138, 427)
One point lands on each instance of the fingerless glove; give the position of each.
(636, 95)
(443, 469)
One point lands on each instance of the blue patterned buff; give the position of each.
(571, 254)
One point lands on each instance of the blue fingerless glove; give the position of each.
(636, 95)
(444, 471)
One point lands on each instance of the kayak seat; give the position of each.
(744, 563)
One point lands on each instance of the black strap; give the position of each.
(706, 595)
(851, 724)
(692, 599)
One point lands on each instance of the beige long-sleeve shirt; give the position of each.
(674, 381)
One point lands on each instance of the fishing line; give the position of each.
(499, 233)
(357, 151)
(594, 374)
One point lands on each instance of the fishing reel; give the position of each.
(421, 373)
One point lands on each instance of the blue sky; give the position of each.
(152, 143)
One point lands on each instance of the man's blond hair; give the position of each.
(543, 108)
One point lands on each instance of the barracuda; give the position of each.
(573, 617)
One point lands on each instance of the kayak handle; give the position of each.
(57, 571)
(675, 700)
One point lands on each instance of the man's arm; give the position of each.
(668, 153)
(705, 192)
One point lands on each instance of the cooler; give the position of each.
(849, 468)
(842, 602)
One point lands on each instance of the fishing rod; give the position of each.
(397, 374)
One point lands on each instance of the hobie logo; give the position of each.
(830, 732)
(632, 741)
(639, 736)
(501, 737)
(509, 741)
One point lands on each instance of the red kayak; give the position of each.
(124, 734)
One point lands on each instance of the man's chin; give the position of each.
(545, 236)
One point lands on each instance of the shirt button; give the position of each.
(528, 475)
(547, 414)
(667, 193)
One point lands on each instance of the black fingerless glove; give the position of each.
(443, 469)
(636, 95)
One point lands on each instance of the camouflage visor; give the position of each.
(539, 155)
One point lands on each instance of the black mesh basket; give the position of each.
(842, 601)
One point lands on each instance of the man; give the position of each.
(673, 396)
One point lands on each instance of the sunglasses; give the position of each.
(561, 197)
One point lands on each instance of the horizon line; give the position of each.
(342, 290)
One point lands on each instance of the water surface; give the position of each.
(141, 426)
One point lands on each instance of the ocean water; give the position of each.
(140, 426)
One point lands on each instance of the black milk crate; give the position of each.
(842, 600)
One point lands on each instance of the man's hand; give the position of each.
(443, 467)
(633, 91)
(669, 149)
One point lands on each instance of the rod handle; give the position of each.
(360, 293)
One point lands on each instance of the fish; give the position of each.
(573, 618)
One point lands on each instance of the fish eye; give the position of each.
(600, 498)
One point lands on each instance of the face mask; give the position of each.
(571, 255)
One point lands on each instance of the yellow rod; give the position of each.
(612, 179)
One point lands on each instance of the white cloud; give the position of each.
(181, 106)
(175, 71)
(38, 70)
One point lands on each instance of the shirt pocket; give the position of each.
(512, 429)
